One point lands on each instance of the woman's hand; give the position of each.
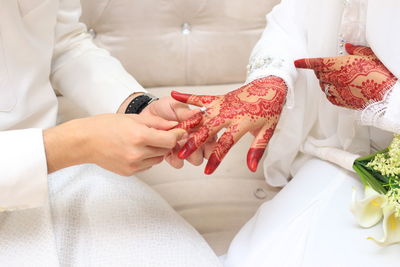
(124, 144)
(255, 107)
(352, 81)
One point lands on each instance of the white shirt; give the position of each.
(44, 47)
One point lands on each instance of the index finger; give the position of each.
(164, 139)
(317, 64)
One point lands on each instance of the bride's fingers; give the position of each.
(359, 50)
(192, 122)
(197, 139)
(258, 147)
(224, 144)
(197, 100)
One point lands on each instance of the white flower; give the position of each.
(368, 211)
(391, 227)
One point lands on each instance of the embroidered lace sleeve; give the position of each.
(384, 114)
(282, 42)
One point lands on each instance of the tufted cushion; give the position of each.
(180, 42)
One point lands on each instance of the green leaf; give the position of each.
(368, 179)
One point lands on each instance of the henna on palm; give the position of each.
(355, 80)
(252, 107)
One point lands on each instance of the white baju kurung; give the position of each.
(309, 223)
(93, 217)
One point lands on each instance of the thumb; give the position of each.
(159, 123)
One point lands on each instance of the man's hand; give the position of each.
(124, 144)
(172, 110)
(255, 107)
(352, 81)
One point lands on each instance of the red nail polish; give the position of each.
(182, 154)
(187, 149)
(180, 96)
(349, 48)
(253, 158)
(300, 63)
(212, 164)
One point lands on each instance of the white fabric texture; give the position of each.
(309, 224)
(101, 219)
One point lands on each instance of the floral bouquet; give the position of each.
(380, 173)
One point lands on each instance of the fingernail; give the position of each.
(187, 149)
(349, 48)
(300, 63)
(180, 96)
(253, 158)
(212, 164)
(183, 154)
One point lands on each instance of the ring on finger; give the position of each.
(326, 89)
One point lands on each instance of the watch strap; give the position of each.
(139, 103)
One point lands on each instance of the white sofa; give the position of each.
(198, 46)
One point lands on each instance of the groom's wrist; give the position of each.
(126, 102)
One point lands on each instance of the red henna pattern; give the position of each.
(206, 99)
(356, 79)
(250, 107)
(192, 122)
(194, 142)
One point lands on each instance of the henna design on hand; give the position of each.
(252, 107)
(354, 81)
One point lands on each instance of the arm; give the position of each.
(283, 41)
(271, 79)
(83, 72)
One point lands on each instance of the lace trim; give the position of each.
(374, 114)
(263, 64)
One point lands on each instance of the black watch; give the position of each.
(139, 103)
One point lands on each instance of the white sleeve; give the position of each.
(83, 72)
(282, 42)
(384, 114)
(23, 172)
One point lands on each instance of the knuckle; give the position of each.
(132, 156)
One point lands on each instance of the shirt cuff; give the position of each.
(384, 114)
(392, 113)
(23, 174)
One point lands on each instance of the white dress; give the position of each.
(309, 223)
